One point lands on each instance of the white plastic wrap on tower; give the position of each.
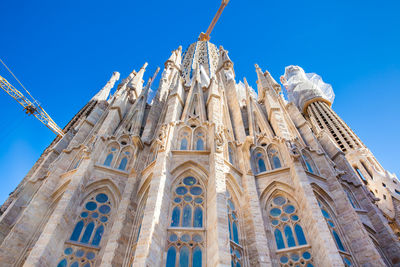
(302, 87)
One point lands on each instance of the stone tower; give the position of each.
(209, 174)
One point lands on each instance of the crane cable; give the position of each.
(19, 82)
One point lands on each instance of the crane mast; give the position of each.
(31, 108)
(206, 36)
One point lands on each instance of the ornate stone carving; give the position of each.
(162, 137)
(293, 150)
(219, 138)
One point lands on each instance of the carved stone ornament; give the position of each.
(219, 138)
(162, 137)
(293, 150)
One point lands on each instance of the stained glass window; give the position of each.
(332, 225)
(288, 233)
(274, 159)
(233, 225)
(185, 247)
(309, 164)
(109, 159)
(184, 144)
(89, 230)
(123, 163)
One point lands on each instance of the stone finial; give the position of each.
(103, 94)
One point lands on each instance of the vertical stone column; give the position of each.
(257, 241)
(117, 242)
(324, 248)
(218, 246)
(152, 238)
(58, 227)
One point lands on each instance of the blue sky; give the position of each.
(65, 51)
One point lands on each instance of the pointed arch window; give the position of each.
(288, 232)
(233, 226)
(92, 222)
(309, 163)
(335, 231)
(199, 140)
(199, 144)
(351, 198)
(185, 244)
(274, 158)
(153, 154)
(184, 138)
(367, 170)
(109, 159)
(184, 143)
(76, 162)
(231, 156)
(111, 152)
(361, 175)
(260, 162)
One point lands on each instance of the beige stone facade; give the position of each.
(208, 174)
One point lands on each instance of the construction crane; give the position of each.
(30, 107)
(206, 36)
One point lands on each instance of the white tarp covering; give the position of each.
(303, 86)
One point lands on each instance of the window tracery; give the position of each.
(309, 163)
(288, 233)
(118, 154)
(274, 157)
(185, 244)
(233, 224)
(184, 139)
(259, 161)
(351, 198)
(111, 152)
(200, 140)
(361, 175)
(84, 242)
(332, 225)
(231, 155)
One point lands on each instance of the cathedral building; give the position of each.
(210, 173)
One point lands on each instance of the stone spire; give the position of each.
(266, 83)
(103, 94)
(136, 83)
(132, 123)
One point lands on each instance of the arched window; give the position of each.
(288, 232)
(77, 161)
(236, 247)
(200, 140)
(361, 175)
(185, 248)
(124, 157)
(153, 153)
(231, 156)
(109, 159)
(309, 164)
(122, 165)
(88, 232)
(332, 225)
(367, 170)
(111, 152)
(200, 144)
(260, 162)
(184, 138)
(274, 159)
(351, 198)
(184, 144)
